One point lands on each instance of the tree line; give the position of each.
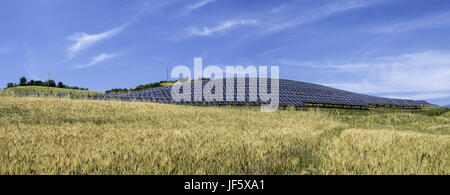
(50, 83)
(140, 87)
(151, 85)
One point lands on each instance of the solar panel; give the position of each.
(291, 93)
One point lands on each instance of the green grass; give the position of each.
(149, 86)
(46, 90)
(67, 136)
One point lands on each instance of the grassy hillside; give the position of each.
(151, 86)
(46, 90)
(65, 136)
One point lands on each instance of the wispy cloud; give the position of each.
(422, 96)
(198, 5)
(278, 9)
(423, 74)
(313, 15)
(268, 24)
(97, 59)
(207, 31)
(425, 22)
(84, 40)
(324, 65)
(4, 50)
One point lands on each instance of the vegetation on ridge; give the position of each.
(19, 90)
(49, 83)
(149, 86)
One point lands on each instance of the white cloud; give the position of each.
(207, 31)
(199, 4)
(425, 22)
(97, 59)
(83, 40)
(424, 75)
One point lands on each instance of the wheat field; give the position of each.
(67, 136)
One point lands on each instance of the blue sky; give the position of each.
(392, 48)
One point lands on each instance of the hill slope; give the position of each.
(47, 90)
(66, 136)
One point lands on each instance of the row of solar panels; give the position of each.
(291, 93)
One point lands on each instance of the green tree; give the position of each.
(23, 81)
(31, 83)
(60, 85)
(39, 83)
(10, 85)
(51, 83)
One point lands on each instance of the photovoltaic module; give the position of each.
(291, 93)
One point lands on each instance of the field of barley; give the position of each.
(68, 136)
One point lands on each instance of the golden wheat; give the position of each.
(65, 136)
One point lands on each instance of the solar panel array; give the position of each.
(291, 93)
